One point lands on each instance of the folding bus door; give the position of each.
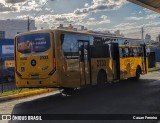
(84, 62)
(115, 61)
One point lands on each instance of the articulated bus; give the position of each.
(68, 59)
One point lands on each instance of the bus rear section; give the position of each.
(35, 60)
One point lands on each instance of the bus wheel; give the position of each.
(138, 73)
(101, 78)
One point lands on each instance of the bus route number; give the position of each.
(101, 63)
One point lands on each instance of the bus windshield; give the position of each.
(39, 42)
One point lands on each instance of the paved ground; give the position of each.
(125, 97)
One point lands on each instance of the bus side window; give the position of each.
(125, 52)
(139, 51)
(135, 52)
(120, 52)
(131, 52)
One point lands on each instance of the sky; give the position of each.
(98, 15)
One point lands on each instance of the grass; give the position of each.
(154, 69)
(17, 91)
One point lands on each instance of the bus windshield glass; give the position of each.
(39, 42)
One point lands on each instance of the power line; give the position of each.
(29, 23)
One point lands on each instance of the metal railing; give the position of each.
(7, 86)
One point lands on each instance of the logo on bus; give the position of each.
(33, 62)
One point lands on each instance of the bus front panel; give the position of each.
(35, 60)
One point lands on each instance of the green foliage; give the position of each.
(154, 69)
(17, 91)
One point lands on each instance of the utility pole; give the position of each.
(142, 34)
(28, 24)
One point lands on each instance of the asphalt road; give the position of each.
(124, 97)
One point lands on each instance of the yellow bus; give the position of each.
(68, 59)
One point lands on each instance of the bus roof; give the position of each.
(79, 32)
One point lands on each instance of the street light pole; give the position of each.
(142, 34)
(28, 24)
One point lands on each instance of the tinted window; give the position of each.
(70, 44)
(125, 52)
(140, 51)
(120, 52)
(99, 51)
(135, 52)
(33, 43)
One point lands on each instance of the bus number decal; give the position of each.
(43, 57)
(101, 63)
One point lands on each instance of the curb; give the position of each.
(26, 94)
(154, 70)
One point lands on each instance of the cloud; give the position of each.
(133, 30)
(48, 9)
(4, 8)
(140, 12)
(60, 18)
(54, 20)
(147, 10)
(86, 5)
(66, 19)
(104, 17)
(134, 18)
(15, 1)
(153, 16)
(92, 23)
(122, 25)
(101, 5)
(131, 26)
(147, 17)
(22, 5)
(91, 19)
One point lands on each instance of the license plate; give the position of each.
(34, 76)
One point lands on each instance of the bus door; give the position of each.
(115, 60)
(144, 64)
(84, 62)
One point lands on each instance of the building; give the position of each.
(158, 39)
(117, 32)
(6, 51)
(9, 28)
(71, 27)
(147, 39)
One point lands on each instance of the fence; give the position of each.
(7, 86)
(157, 53)
(151, 60)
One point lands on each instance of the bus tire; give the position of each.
(101, 78)
(138, 73)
